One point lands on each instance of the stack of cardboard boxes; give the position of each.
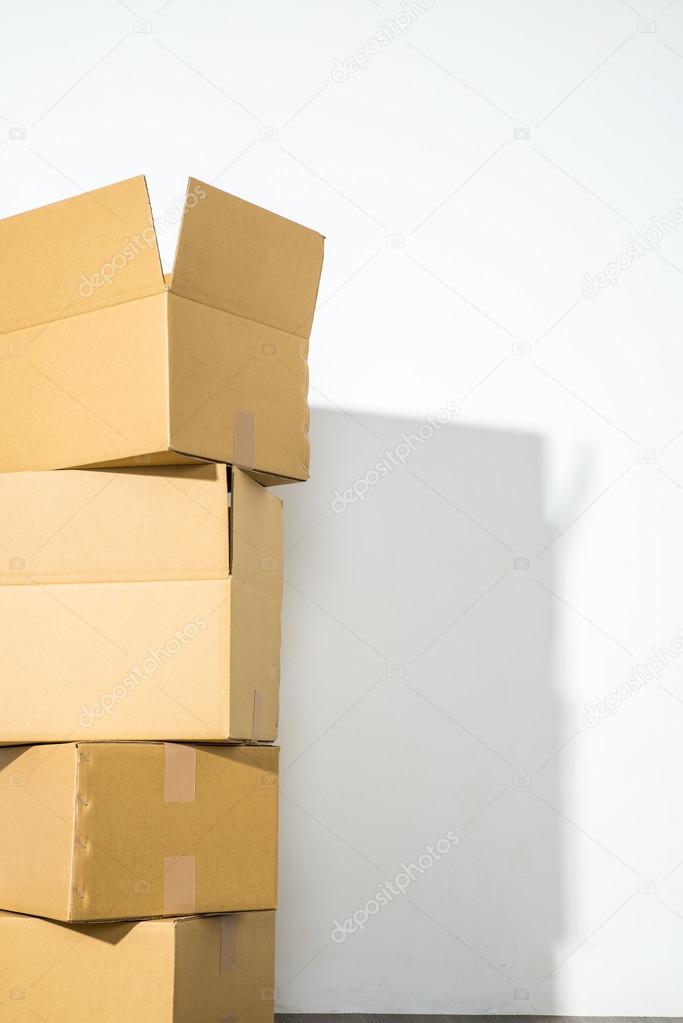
(140, 591)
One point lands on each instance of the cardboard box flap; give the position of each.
(255, 531)
(132, 525)
(85, 253)
(247, 261)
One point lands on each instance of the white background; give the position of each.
(444, 634)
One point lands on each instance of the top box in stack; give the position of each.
(104, 361)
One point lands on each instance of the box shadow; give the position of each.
(424, 548)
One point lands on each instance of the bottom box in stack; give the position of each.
(97, 836)
(201, 969)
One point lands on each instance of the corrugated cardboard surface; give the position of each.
(45, 253)
(245, 260)
(101, 831)
(140, 371)
(245, 943)
(102, 660)
(218, 362)
(87, 526)
(120, 610)
(155, 971)
(38, 802)
(257, 599)
(90, 388)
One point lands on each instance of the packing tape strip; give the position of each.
(244, 443)
(180, 773)
(228, 942)
(256, 717)
(179, 885)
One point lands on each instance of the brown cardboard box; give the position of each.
(139, 604)
(106, 831)
(216, 969)
(104, 360)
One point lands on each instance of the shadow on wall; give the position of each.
(421, 866)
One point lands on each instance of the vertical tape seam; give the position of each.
(228, 943)
(180, 773)
(180, 885)
(244, 438)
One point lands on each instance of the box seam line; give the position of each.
(86, 312)
(238, 316)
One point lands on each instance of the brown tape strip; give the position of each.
(256, 717)
(179, 885)
(180, 773)
(244, 444)
(228, 942)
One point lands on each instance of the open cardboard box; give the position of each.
(106, 361)
(214, 969)
(139, 604)
(107, 831)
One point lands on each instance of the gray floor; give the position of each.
(344, 1017)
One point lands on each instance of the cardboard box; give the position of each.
(107, 831)
(217, 969)
(105, 360)
(139, 604)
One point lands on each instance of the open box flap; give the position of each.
(247, 261)
(94, 250)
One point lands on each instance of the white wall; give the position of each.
(434, 681)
